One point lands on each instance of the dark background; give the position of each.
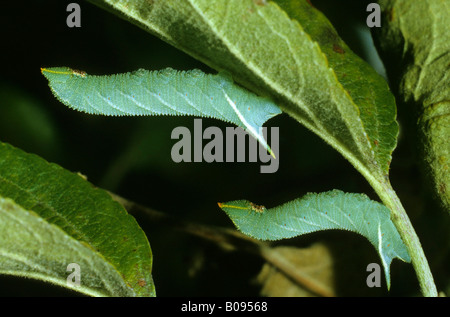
(131, 156)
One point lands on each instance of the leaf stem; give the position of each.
(406, 230)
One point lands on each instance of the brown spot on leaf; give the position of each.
(260, 2)
(338, 49)
(391, 14)
(142, 282)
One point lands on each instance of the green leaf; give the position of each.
(166, 92)
(32, 247)
(289, 51)
(368, 91)
(415, 43)
(51, 217)
(324, 211)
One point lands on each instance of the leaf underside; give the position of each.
(324, 211)
(290, 52)
(48, 206)
(32, 247)
(415, 44)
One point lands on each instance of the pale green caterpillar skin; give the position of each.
(165, 92)
(324, 211)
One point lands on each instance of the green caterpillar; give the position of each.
(165, 92)
(324, 211)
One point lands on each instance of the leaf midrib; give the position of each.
(46, 275)
(57, 215)
(319, 128)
